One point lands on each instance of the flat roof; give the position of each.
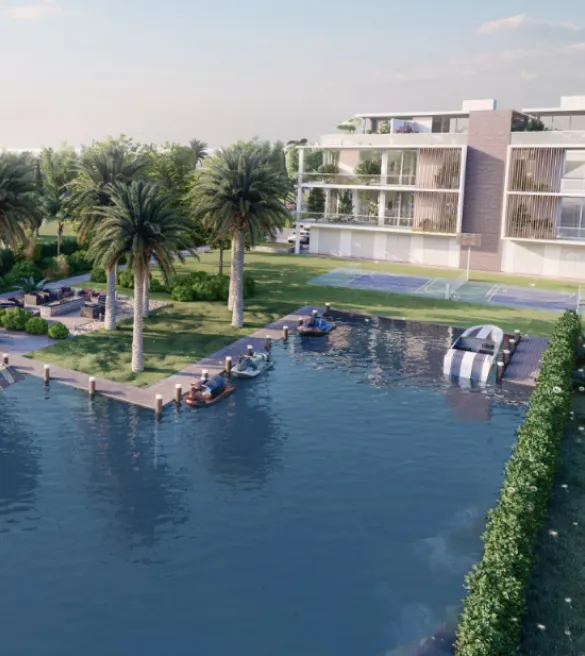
(558, 111)
(457, 113)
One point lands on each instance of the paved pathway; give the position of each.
(146, 397)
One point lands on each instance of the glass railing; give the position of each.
(443, 224)
(392, 179)
(575, 233)
(572, 184)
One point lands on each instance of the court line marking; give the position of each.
(424, 287)
(491, 293)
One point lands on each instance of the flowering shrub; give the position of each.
(493, 609)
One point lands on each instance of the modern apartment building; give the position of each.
(405, 186)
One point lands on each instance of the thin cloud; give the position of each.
(35, 12)
(575, 47)
(520, 21)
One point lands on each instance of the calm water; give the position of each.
(330, 508)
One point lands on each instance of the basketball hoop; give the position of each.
(469, 240)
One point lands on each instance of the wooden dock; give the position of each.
(146, 397)
(522, 369)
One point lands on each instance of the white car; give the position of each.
(305, 236)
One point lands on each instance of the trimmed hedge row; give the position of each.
(201, 286)
(494, 607)
(21, 320)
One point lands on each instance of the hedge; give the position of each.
(494, 607)
(15, 319)
(200, 286)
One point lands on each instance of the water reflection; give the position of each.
(19, 462)
(247, 448)
(131, 476)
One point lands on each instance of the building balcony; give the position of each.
(561, 139)
(412, 140)
(545, 218)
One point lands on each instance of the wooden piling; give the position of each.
(228, 364)
(268, 344)
(91, 386)
(500, 370)
(285, 333)
(46, 373)
(178, 393)
(250, 350)
(5, 359)
(205, 375)
(158, 403)
(506, 356)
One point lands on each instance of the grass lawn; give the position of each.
(177, 336)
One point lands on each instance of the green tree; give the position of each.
(58, 169)
(316, 201)
(199, 151)
(242, 193)
(19, 207)
(100, 167)
(140, 223)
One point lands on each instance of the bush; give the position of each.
(36, 326)
(48, 249)
(493, 609)
(58, 330)
(126, 279)
(24, 269)
(98, 275)
(183, 294)
(78, 262)
(249, 285)
(156, 285)
(15, 319)
(55, 268)
(2, 313)
(6, 261)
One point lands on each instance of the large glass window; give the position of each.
(574, 174)
(571, 220)
(578, 122)
(401, 167)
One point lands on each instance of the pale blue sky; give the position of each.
(220, 70)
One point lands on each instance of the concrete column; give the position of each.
(382, 208)
(327, 202)
(356, 202)
(299, 201)
(384, 168)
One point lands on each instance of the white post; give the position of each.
(327, 202)
(356, 202)
(299, 202)
(468, 261)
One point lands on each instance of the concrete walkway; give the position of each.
(146, 397)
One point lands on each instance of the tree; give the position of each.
(19, 208)
(242, 193)
(58, 169)
(199, 151)
(316, 201)
(101, 167)
(140, 223)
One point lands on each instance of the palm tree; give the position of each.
(242, 193)
(199, 151)
(101, 168)
(19, 208)
(141, 223)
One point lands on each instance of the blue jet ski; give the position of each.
(315, 326)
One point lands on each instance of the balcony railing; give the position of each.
(445, 224)
(566, 232)
(413, 140)
(572, 184)
(437, 181)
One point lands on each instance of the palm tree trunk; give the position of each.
(137, 346)
(110, 319)
(59, 237)
(146, 301)
(232, 276)
(220, 261)
(239, 242)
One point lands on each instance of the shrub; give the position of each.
(36, 326)
(69, 246)
(24, 269)
(78, 262)
(183, 293)
(58, 330)
(493, 609)
(98, 275)
(15, 319)
(126, 279)
(249, 285)
(6, 261)
(156, 285)
(2, 313)
(56, 268)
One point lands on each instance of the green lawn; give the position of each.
(177, 336)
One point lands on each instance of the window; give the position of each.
(562, 123)
(571, 219)
(440, 124)
(548, 121)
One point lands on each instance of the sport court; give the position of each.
(456, 288)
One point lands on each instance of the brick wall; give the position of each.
(489, 137)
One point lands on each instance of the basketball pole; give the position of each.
(468, 261)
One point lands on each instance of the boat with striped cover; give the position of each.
(474, 354)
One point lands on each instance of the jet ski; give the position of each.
(250, 366)
(315, 326)
(208, 392)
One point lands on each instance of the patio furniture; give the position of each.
(60, 307)
(91, 311)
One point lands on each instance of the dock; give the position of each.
(522, 368)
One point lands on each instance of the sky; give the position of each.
(222, 70)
